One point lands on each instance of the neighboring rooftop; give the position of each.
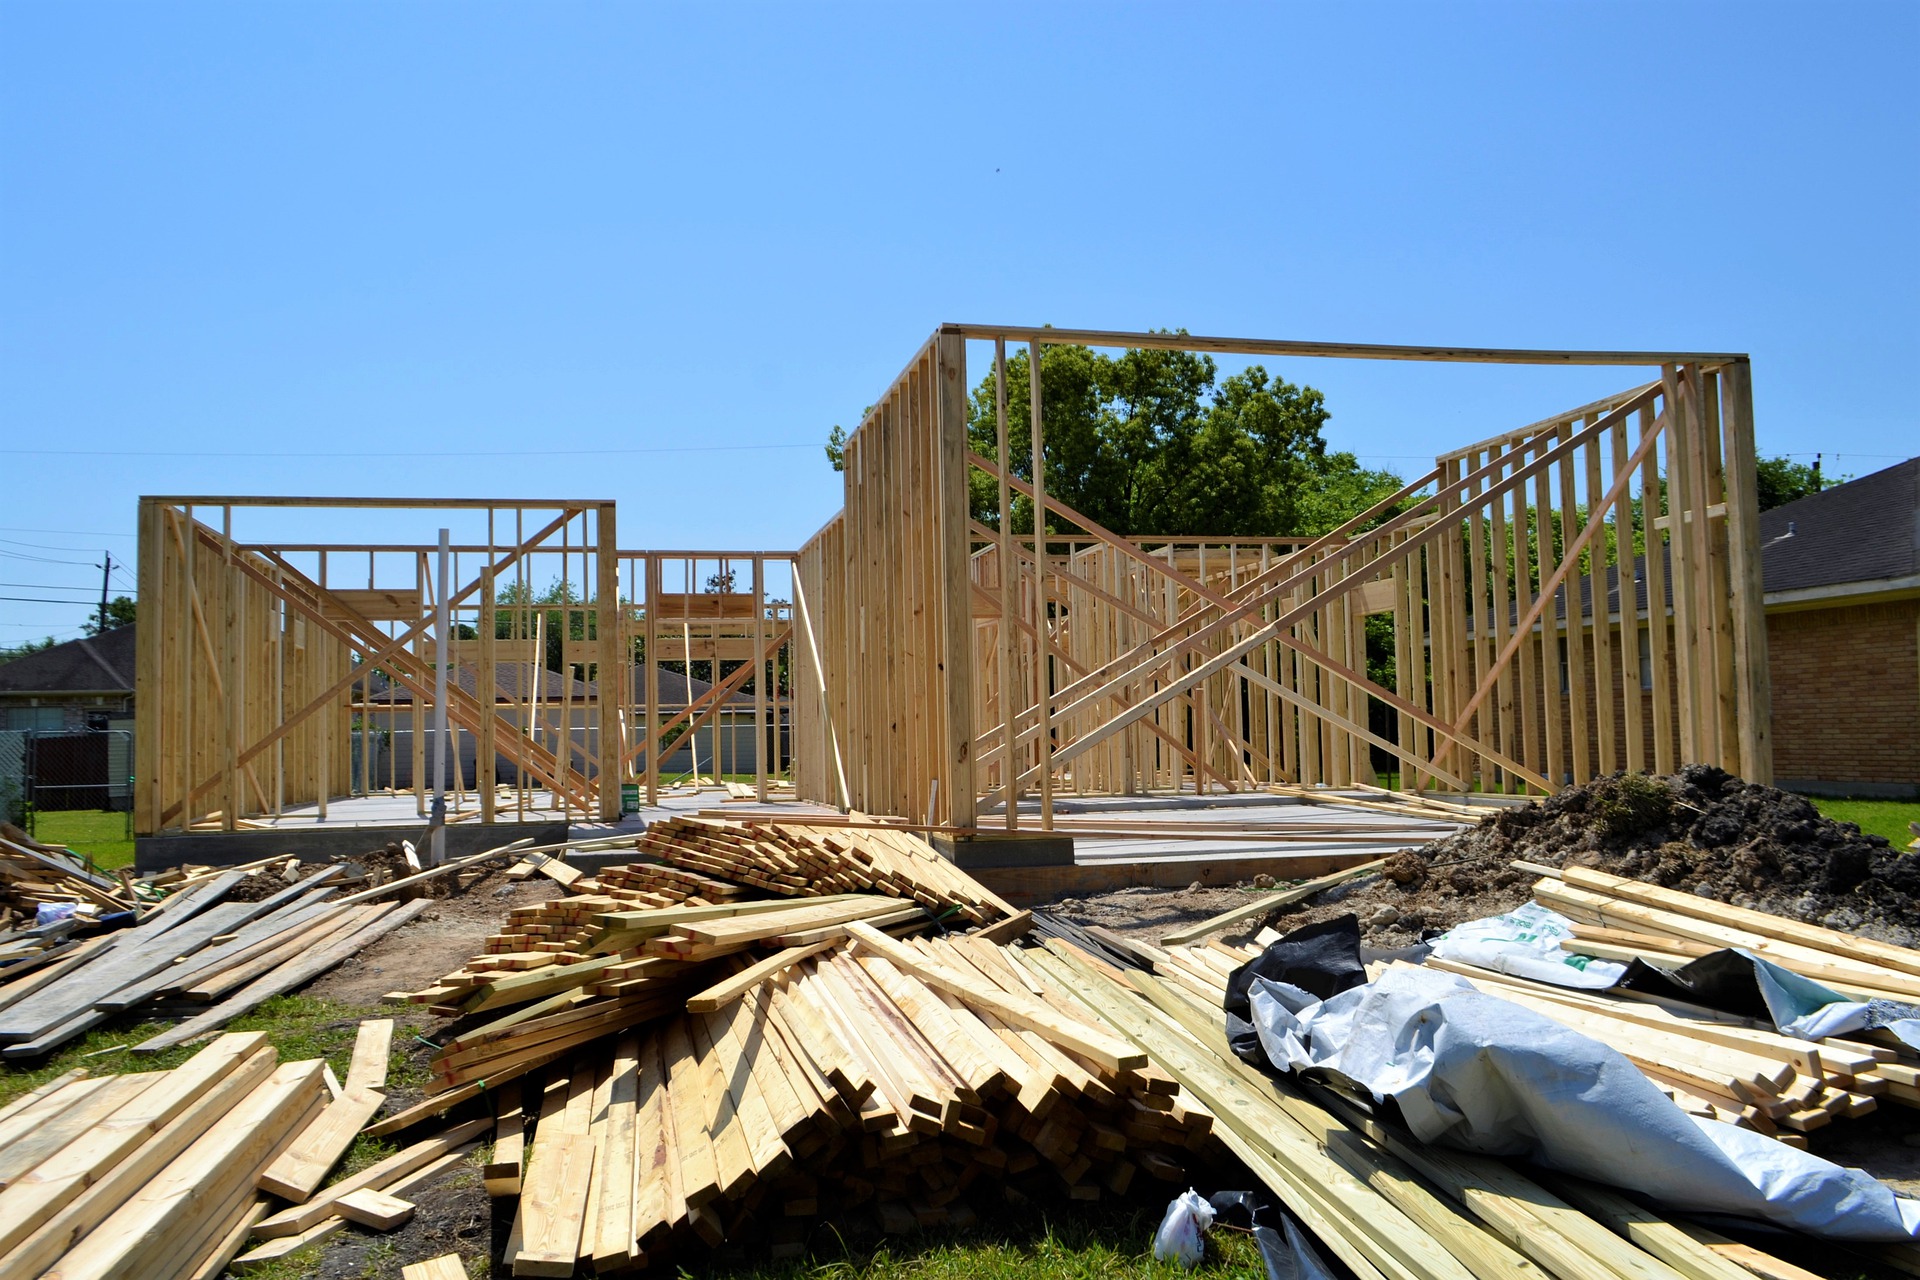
(1861, 532)
(92, 664)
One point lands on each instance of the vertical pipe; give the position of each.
(437, 822)
(760, 679)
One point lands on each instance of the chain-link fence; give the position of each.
(13, 775)
(46, 771)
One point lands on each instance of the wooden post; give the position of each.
(1042, 626)
(148, 693)
(1009, 587)
(956, 595)
(1754, 675)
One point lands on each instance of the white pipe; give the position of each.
(437, 823)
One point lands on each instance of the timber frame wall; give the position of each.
(252, 658)
(940, 666)
(945, 665)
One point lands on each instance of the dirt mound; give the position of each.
(1701, 830)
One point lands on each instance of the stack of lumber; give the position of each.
(875, 1074)
(1620, 919)
(1713, 1066)
(214, 958)
(792, 858)
(654, 961)
(34, 874)
(154, 1174)
(1383, 1203)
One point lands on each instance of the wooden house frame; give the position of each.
(1208, 663)
(941, 666)
(253, 655)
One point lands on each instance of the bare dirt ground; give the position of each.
(452, 1211)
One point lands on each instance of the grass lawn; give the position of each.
(1887, 818)
(101, 836)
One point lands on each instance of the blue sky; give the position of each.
(654, 253)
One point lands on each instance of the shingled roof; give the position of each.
(95, 664)
(1864, 531)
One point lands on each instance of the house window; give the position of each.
(1566, 679)
(1646, 659)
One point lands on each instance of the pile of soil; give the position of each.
(1700, 831)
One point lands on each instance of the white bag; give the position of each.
(1182, 1234)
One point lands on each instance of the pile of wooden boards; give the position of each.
(153, 1174)
(34, 874)
(197, 952)
(1620, 919)
(875, 1075)
(1384, 1204)
(793, 859)
(372, 1197)
(652, 962)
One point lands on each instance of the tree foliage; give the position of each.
(1153, 443)
(121, 612)
(1782, 480)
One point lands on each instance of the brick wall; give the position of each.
(1846, 695)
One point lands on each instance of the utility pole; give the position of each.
(106, 571)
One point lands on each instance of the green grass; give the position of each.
(1887, 818)
(298, 1026)
(105, 837)
(1078, 1242)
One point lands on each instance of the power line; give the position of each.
(21, 555)
(440, 455)
(47, 586)
(74, 533)
(46, 600)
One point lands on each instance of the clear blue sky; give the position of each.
(479, 249)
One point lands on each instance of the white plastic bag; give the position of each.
(1525, 943)
(1182, 1234)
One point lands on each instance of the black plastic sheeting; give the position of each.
(1322, 958)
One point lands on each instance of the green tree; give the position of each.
(120, 613)
(26, 647)
(1782, 480)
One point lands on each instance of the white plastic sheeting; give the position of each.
(1470, 1070)
(1525, 943)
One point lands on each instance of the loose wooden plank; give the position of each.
(304, 1165)
(372, 1048)
(724, 993)
(445, 1267)
(553, 1206)
(1266, 902)
(374, 1209)
(383, 1175)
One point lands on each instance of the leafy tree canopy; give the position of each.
(1782, 480)
(121, 611)
(1152, 443)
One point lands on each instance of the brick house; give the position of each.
(1842, 578)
